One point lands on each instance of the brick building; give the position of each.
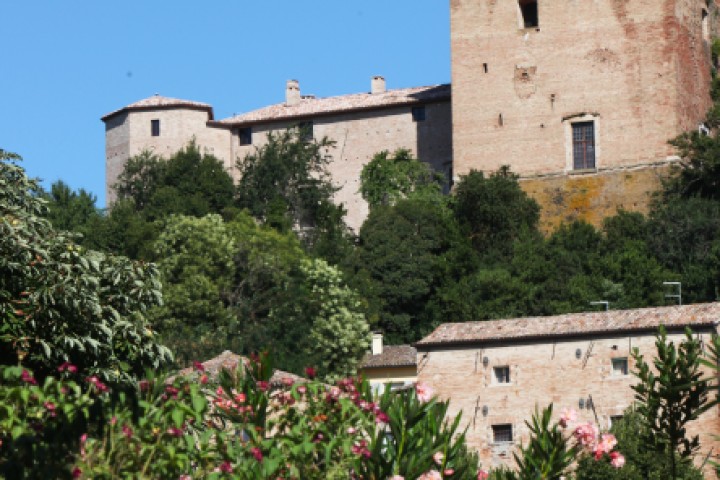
(497, 372)
(389, 364)
(579, 98)
(361, 124)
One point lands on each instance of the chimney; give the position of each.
(292, 93)
(377, 343)
(377, 84)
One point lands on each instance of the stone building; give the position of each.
(389, 364)
(578, 97)
(497, 372)
(361, 124)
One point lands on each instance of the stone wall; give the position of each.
(561, 372)
(638, 69)
(358, 136)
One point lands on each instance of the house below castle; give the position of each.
(498, 372)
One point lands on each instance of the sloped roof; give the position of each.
(230, 361)
(705, 315)
(392, 356)
(309, 107)
(158, 101)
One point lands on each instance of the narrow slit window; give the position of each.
(529, 12)
(155, 128)
(583, 135)
(485, 67)
(502, 433)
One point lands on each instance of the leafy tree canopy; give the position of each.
(388, 178)
(60, 302)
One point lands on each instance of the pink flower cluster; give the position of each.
(424, 392)
(99, 385)
(67, 366)
(588, 436)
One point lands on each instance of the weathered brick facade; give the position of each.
(637, 70)
(565, 360)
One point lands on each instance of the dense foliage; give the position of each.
(61, 302)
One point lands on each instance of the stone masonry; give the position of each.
(566, 360)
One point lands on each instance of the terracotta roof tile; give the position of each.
(309, 107)
(230, 361)
(392, 356)
(158, 101)
(573, 324)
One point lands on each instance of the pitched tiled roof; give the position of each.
(575, 324)
(230, 361)
(392, 356)
(158, 101)
(308, 107)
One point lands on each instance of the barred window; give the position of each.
(502, 433)
(583, 136)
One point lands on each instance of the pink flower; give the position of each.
(184, 477)
(617, 460)
(28, 378)
(448, 472)
(310, 372)
(240, 397)
(83, 438)
(605, 445)
(302, 389)
(175, 432)
(288, 382)
(351, 430)
(263, 386)
(95, 381)
(483, 475)
(586, 434)
(76, 472)
(424, 392)
(127, 431)
(430, 475)
(257, 453)
(397, 477)
(381, 417)
(203, 379)
(226, 467)
(438, 458)
(568, 416)
(144, 385)
(198, 366)
(67, 366)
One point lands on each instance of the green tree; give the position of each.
(75, 211)
(286, 185)
(388, 178)
(403, 251)
(339, 333)
(60, 302)
(195, 257)
(641, 463)
(670, 393)
(493, 211)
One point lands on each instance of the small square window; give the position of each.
(620, 366)
(418, 114)
(502, 374)
(614, 419)
(155, 128)
(502, 433)
(306, 131)
(245, 136)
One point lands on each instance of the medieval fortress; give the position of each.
(579, 97)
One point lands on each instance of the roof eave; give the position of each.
(550, 336)
(208, 109)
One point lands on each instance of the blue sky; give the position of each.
(65, 64)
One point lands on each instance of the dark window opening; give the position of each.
(529, 10)
(620, 366)
(155, 128)
(583, 134)
(245, 135)
(485, 67)
(502, 374)
(306, 131)
(502, 433)
(501, 122)
(418, 114)
(614, 419)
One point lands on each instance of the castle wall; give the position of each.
(359, 136)
(542, 373)
(129, 133)
(638, 69)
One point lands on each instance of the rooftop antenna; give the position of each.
(602, 302)
(678, 295)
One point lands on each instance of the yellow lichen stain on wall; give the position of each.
(592, 197)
